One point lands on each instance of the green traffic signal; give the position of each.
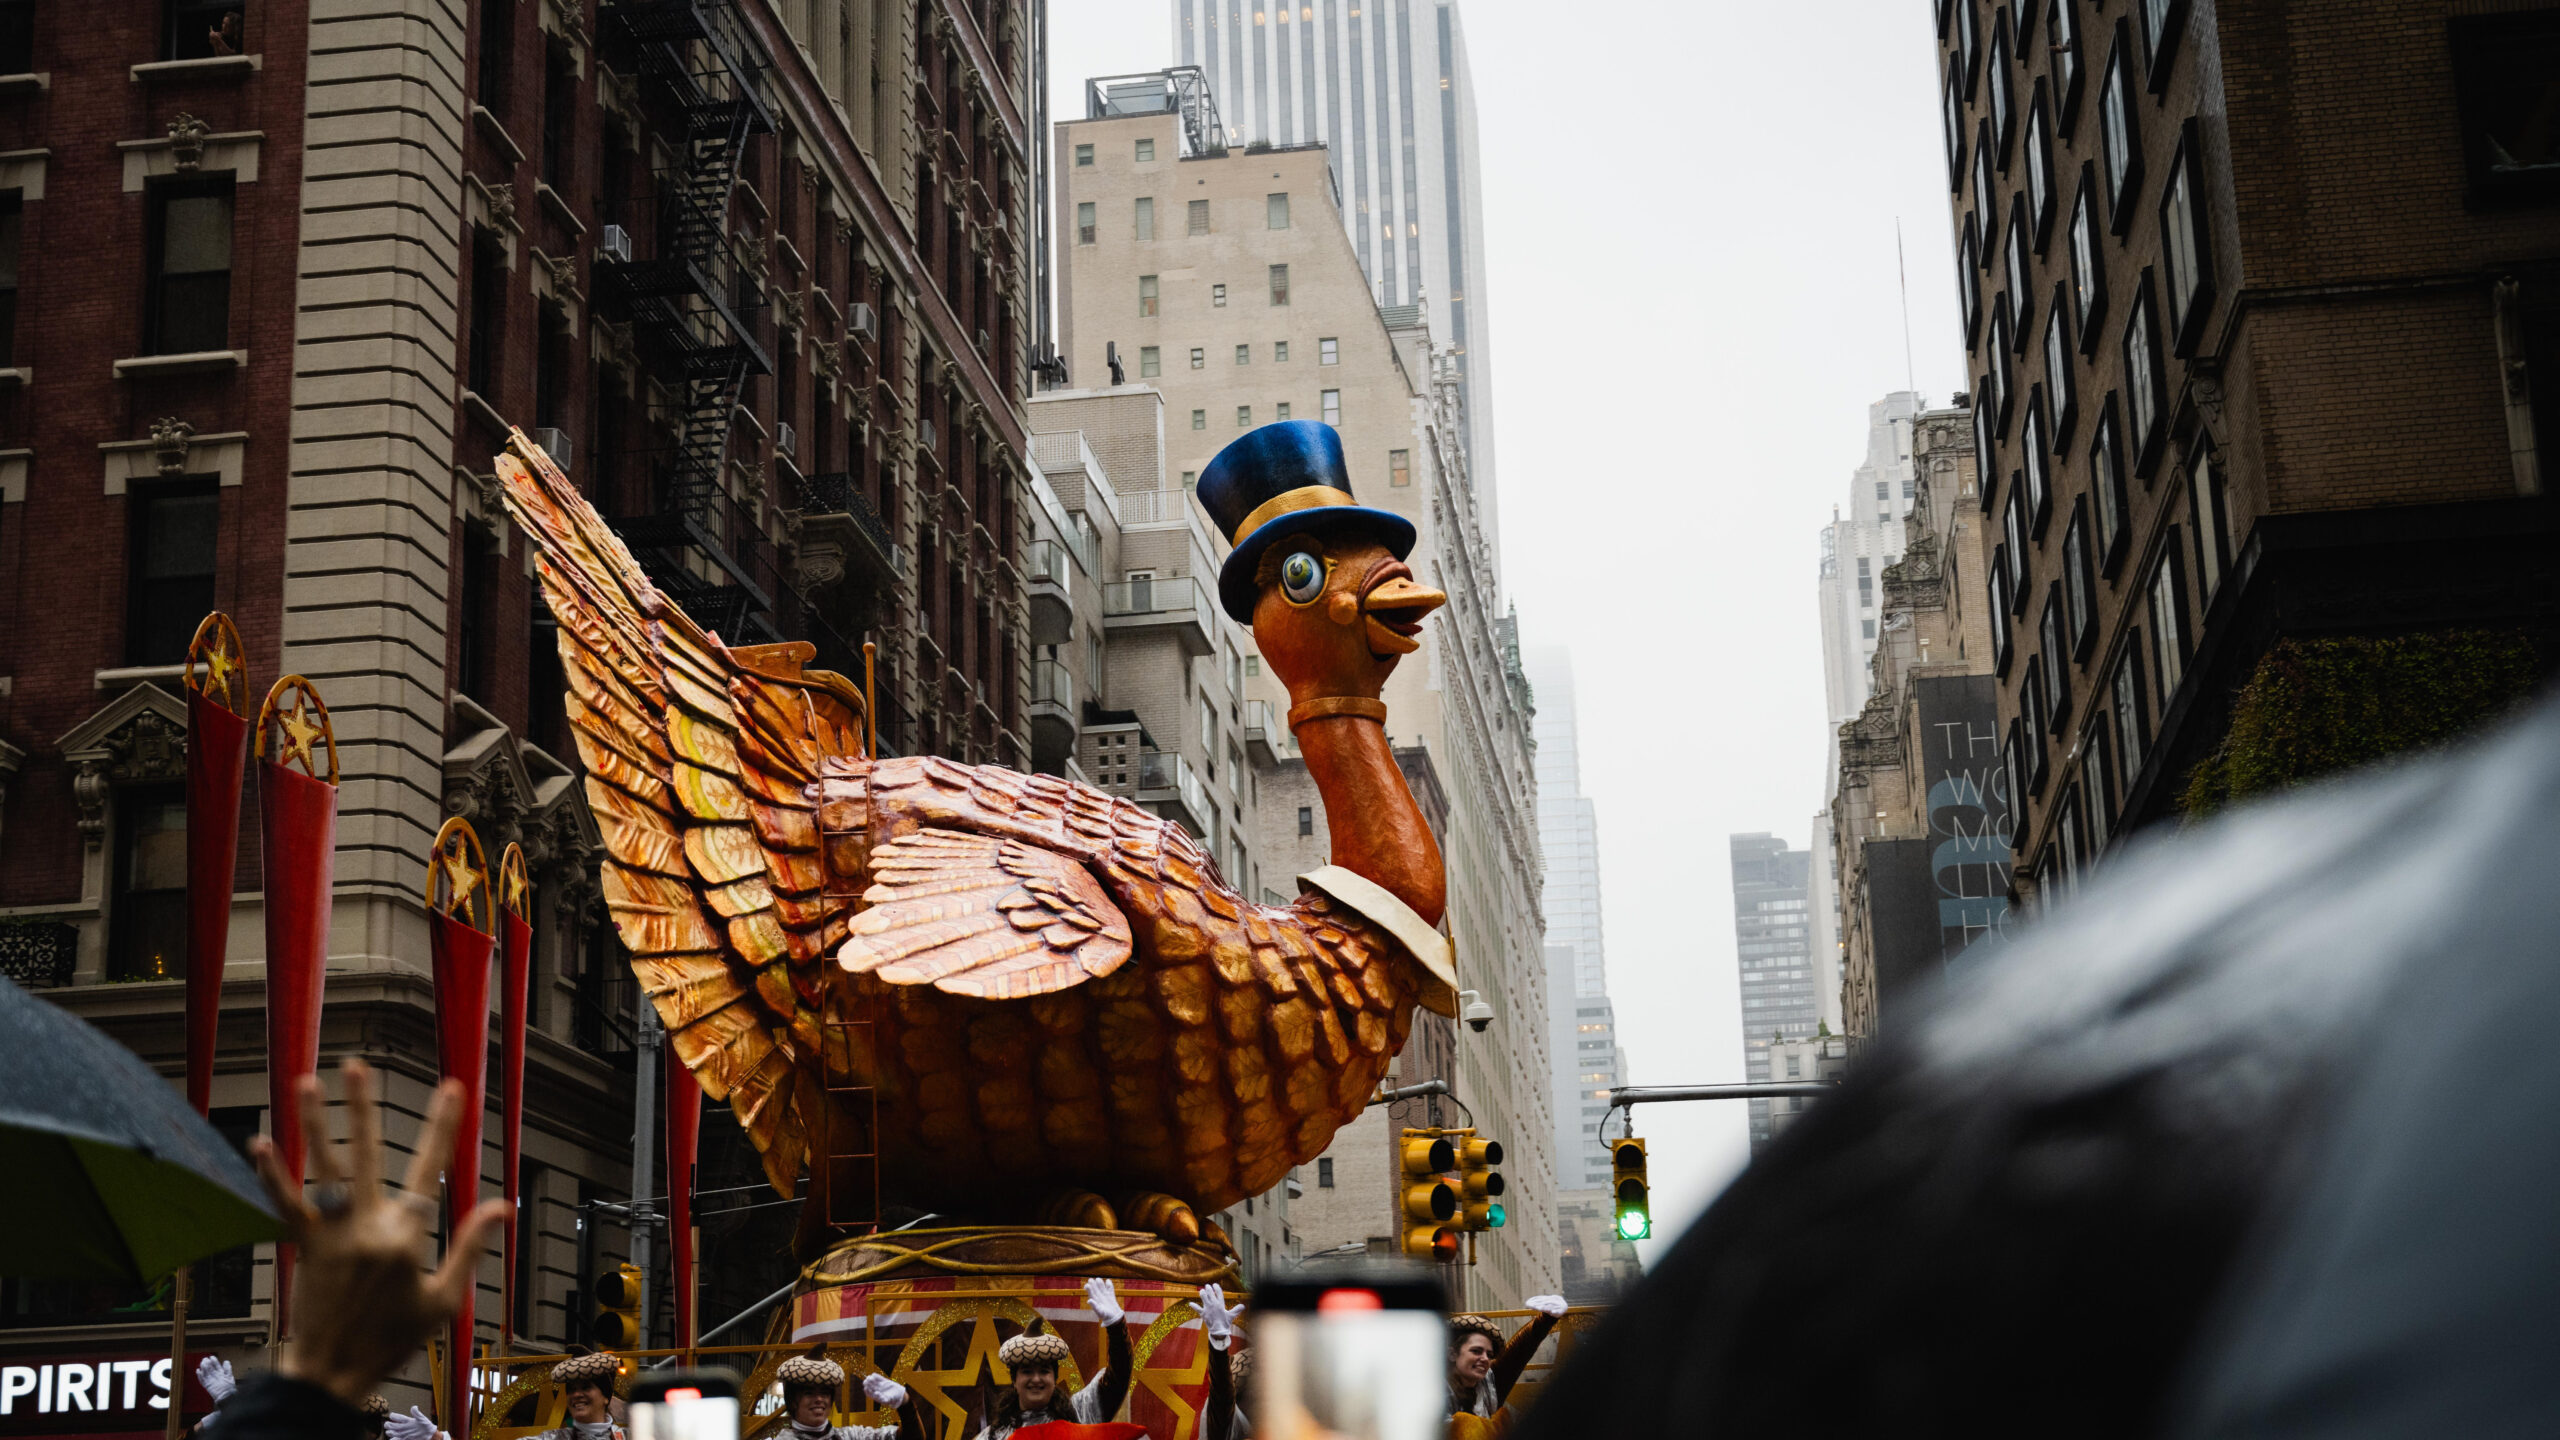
(1627, 1164)
(1634, 1225)
(1494, 1213)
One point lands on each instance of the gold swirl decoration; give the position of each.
(1023, 1250)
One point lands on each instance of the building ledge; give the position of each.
(558, 204)
(194, 362)
(26, 82)
(245, 1330)
(210, 67)
(17, 375)
(126, 677)
(486, 413)
(495, 132)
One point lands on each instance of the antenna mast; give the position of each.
(1910, 380)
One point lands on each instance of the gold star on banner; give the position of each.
(459, 874)
(218, 666)
(301, 732)
(512, 891)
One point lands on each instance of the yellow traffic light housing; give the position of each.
(1430, 1202)
(1634, 1190)
(1480, 1184)
(615, 1324)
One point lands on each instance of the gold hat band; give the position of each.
(1309, 497)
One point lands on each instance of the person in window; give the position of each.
(1033, 1398)
(1482, 1368)
(810, 1384)
(223, 38)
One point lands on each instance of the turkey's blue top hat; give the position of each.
(1278, 481)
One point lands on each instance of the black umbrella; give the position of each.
(104, 1172)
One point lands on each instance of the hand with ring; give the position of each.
(361, 1304)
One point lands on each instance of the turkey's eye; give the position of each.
(1301, 577)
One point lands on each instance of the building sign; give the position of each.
(1970, 819)
(84, 1394)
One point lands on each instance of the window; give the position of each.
(1199, 214)
(1969, 280)
(1968, 43)
(1218, 296)
(1867, 629)
(2022, 298)
(1244, 354)
(1280, 411)
(1333, 407)
(2000, 593)
(11, 219)
(2132, 731)
(555, 364)
(2210, 507)
(171, 532)
(190, 258)
(1279, 284)
(2119, 136)
(2106, 484)
(2032, 709)
(475, 669)
(1324, 1172)
(2088, 276)
(147, 938)
(1280, 352)
(559, 114)
(2168, 623)
(2076, 588)
(488, 309)
(2013, 530)
(497, 54)
(18, 36)
(1150, 360)
(1985, 195)
(1146, 149)
(2013, 761)
(1146, 217)
(1985, 456)
(2054, 632)
(1084, 156)
(1952, 115)
(1244, 415)
(2161, 21)
(1306, 820)
(2040, 198)
(1146, 295)
(2035, 460)
(2506, 80)
(1275, 212)
(2061, 381)
(1328, 352)
(2062, 38)
(1199, 358)
(2097, 781)
(2186, 255)
(1866, 584)
(2142, 379)
(2004, 109)
(1084, 222)
(1199, 419)
(1190, 481)
(1399, 468)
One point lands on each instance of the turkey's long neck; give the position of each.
(1377, 830)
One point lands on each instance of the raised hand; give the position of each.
(886, 1393)
(214, 1374)
(1104, 1300)
(413, 1426)
(361, 1305)
(1215, 1317)
(1551, 1306)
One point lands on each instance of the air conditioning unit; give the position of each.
(784, 440)
(860, 319)
(984, 344)
(616, 245)
(554, 443)
(925, 428)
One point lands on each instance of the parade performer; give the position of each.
(1223, 1417)
(810, 1384)
(1033, 1398)
(1482, 1368)
(215, 1375)
(587, 1382)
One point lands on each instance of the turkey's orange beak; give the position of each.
(1394, 608)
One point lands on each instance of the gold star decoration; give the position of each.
(459, 875)
(218, 666)
(301, 732)
(512, 886)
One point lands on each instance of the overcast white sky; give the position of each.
(1690, 210)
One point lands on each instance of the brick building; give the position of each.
(275, 279)
(2262, 299)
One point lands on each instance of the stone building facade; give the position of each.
(285, 275)
(2262, 303)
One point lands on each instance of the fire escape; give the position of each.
(701, 76)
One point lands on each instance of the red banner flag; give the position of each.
(515, 905)
(458, 869)
(298, 823)
(684, 1142)
(217, 762)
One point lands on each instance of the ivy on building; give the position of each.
(2317, 706)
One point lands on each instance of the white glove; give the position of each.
(214, 1374)
(1104, 1300)
(413, 1426)
(1215, 1317)
(884, 1392)
(1551, 1306)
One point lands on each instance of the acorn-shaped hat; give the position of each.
(1278, 481)
(599, 1366)
(1032, 1350)
(811, 1367)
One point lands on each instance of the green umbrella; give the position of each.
(105, 1173)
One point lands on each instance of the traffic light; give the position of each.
(1480, 1184)
(1430, 1201)
(616, 1322)
(1635, 1193)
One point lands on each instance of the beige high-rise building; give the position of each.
(1223, 279)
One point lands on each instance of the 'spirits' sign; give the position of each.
(77, 1393)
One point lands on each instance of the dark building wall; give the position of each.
(1902, 914)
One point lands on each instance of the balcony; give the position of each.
(1046, 572)
(1261, 736)
(1168, 785)
(1053, 707)
(841, 534)
(1178, 604)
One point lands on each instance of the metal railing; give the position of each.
(835, 493)
(1053, 684)
(1162, 773)
(1162, 595)
(1045, 563)
(1154, 507)
(1257, 723)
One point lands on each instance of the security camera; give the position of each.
(1472, 1009)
